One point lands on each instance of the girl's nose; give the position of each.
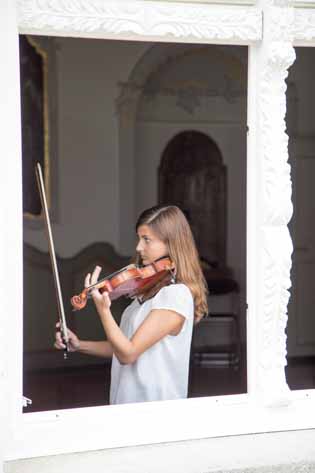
(138, 247)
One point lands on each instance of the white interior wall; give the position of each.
(230, 139)
(154, 138)
(88, 182)
(90, 167)
(213, 101)
(88, 74)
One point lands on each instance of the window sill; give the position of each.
(56, 432)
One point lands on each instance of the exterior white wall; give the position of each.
(266, 408)
(284, 452)
(10, 217)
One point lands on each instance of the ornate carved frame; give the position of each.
(150, 21)
(269, 197)
(304, 27)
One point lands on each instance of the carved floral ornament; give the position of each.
(277, 56)
(292, 24)
(304, 25)
(96, 18)
(280, 56)
(176, 21)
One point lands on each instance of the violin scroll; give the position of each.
(79, 302)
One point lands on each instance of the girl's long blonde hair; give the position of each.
(171, 226)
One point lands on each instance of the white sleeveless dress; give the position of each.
(161, 372)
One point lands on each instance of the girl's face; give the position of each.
(150, 247)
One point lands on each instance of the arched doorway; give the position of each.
(192, 175)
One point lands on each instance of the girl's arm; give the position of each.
(97, 348)
(101, 348)
(156, 326)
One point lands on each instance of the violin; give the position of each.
(128, 281)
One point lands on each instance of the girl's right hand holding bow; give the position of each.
(73, 340)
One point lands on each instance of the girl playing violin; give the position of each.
(150, 349)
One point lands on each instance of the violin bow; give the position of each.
(62, 318)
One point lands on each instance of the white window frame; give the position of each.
(269, 405)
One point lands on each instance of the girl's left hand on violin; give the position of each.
(102, 300)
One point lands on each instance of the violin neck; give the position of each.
(109, 276)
